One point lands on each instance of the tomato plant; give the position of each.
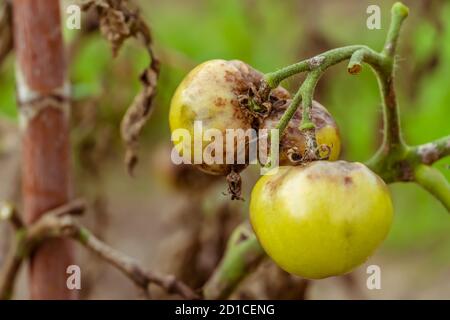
(315, 216)
(307, 218)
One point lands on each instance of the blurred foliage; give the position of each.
(7, 90)
(271, 34)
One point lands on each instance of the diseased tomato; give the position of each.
(292, 142)
(321, 219)
(210, 93)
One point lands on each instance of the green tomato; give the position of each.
(322, 219)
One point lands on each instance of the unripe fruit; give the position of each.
(322, 219)
(209, 94)
(293, 141)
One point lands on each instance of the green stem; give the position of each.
(316, 66)
(356, 60)
(242, 254)
(289, 113)
(307, 91)
(322, 62)
(399, 12)
(430, 152)
(383, 64)
(274, 79)
(434, 182)
(392, 131)
(303, 94)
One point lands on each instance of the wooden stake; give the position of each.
(43, 97)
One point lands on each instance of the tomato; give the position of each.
(321, 219)
(209, 93)
(293, 141)
(183, 178)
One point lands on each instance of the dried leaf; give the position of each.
(119, 22)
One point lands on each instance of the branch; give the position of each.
(434, 182)
(389, 159)
(11, 266)
(315, 67)
(322, 62)
(399, 12)
(130, 267)
(14, 258)
(431, 152)
(60, 223)
(382, 63)
(8, 212)
(242, 255)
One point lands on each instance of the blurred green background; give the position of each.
(270, 34)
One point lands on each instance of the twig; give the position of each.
(431, 152)
(323, 61)
(60, 223)
(434, 182)
(14, 258)
(8, 212)
(271, 282)
(130, 267)
(242, 255)
(382, 63)
(394, 160)
(399, 12)
(11, 266)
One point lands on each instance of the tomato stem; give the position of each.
(242, 254)
(399, 13)
(434, 182)
(382, 64)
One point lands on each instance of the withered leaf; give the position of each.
(118, 22)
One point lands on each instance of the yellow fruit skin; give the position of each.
(205, 95)
(209, 93)
(329, 135)
(322, 219)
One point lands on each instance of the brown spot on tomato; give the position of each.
(348, 232)
(220, 102)
(229, 76)
(348, 180)
(273, 184)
